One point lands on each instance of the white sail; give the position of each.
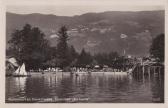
(23, 70)
(17, 72)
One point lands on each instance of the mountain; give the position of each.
(97, 32)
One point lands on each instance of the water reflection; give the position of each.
(16, 87)
(96, 87)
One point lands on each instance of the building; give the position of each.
(11, 65)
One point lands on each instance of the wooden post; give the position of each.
(159, 72)
(149, 72)
(154, 71)
(143, 70)
(148, 69)
(143, 73)
(138, 71)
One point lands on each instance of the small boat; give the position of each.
(21, 71)
(130, 71)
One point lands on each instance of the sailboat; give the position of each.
(21, 71)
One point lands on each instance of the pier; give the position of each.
(148, 69)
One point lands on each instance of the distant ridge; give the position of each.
(97, 32)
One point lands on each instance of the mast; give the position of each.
(23, 70)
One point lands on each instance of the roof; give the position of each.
(13, 61)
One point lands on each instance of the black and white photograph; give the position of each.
(82, 53)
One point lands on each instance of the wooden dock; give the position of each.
(148, 70)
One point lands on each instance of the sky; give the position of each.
(78, 7)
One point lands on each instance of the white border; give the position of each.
(3, 4)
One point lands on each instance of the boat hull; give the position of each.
(21, 75)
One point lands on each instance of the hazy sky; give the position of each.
(77, 7)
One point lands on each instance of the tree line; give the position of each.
(30, 46)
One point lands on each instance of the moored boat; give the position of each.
(21, 71)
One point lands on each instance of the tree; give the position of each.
(112, 57)
(28, 45)
(73, 55)
(84, 58)
(157, 47)
(62, 47)
(101, 58)
(106, 58)
(62, 56)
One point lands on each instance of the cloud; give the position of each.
(91, 43)
(54, 36)
(72, 31)
(102, 31)
(123, 36)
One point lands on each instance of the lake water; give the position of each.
(85, 88)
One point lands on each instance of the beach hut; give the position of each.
(11, 66)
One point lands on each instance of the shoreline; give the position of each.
(64, 73)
